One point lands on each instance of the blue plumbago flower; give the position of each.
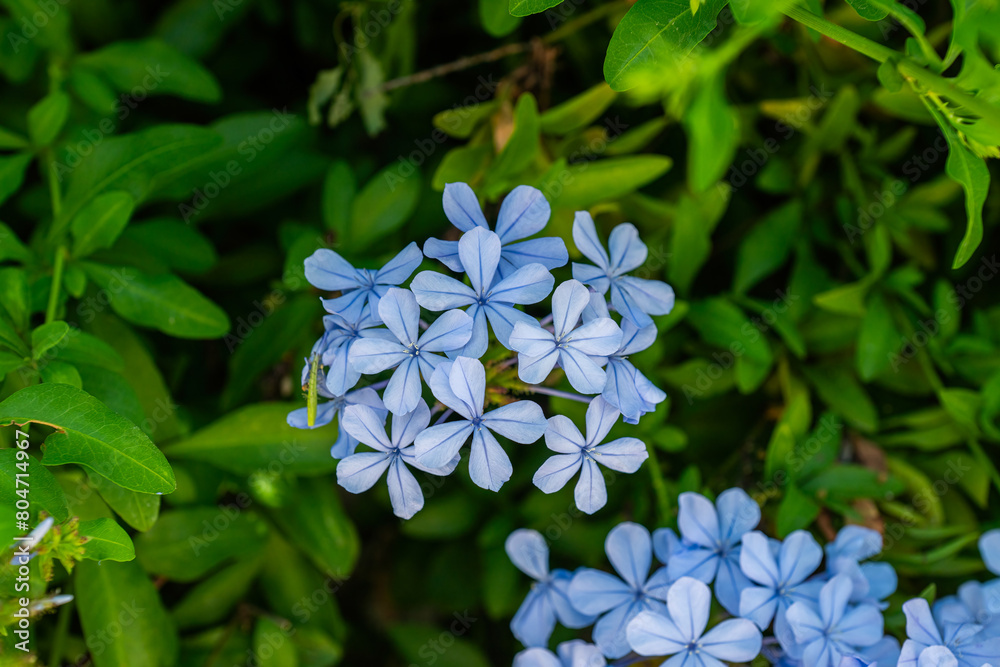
(931, 643)
(548, 598)
(710, 545)
(873, 581)
(479, 253)
(989, 548)
(630, 550)
(524, 212)
(626, 388)
(327, 270)
(576, 454)
(410, 355)
(832, 628)
(575, 653)
(572, 346)
(345, 443)
(780, 569)
(635, 298)
(681, 632)
(461, 385)
(359, 472)
(976, 603)
(334, 348)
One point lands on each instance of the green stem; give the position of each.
(909, 69)
(660, 488)
(57, 274)
(62, 630)
(911, 26)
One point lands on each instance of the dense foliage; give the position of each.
(810, 179)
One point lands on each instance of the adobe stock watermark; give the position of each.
(30, 25)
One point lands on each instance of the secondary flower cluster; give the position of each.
(374, 326)
(820, 608)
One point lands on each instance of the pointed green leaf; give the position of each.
(101, 221)
(529, 7)
(47, 118)
(106, 540)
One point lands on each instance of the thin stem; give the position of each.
(507, 363)
(546, 320)
(535, 389)
(910, 25)
(444, 416)
(57, 273)
(62, 630)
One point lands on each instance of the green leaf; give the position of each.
(106, 540)
(60, 372)
(256, 437)
(91, 435)
(15, 298)
(119, 595)
(971, 172)
(521, 149)
(155, 68)
(462, 121)
(465, 163)
(45, 490)
(80, 347)
(47, 118)
(767, 246)
(100, 221)
(382, 207)
(339, 190)
(578, 112)
(372, 100)
(179, 246)
(839, 389)
(496, 20)
(868, 10)
(46, 337)
(695, 219)
(11, 246)
(877, 339)
(779, 450)
(963, 405)
(846, 299)
(588, 183)
(139, 510)
(796, 512)
(723, 325)
(212, 599)
(11, 140)
(162, 301)
(889, 76)
(529, 7)
(412, 641)
(12, 168)
(713, 130)
(848, 482)
(273, 643)
(654, 39)
(186, 543)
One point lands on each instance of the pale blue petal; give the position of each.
(479, 341)
(600, 337)
(300, 418)
(534, 370)
(833, 599)
(597, 307)
(504, 318)
(625, 251)
(341, 375)
(610, 632)
(400, 267)
(855, 542)
(435, 291)
(462, 208)
(593, 276)
(630, 550)
(523, 213)
(535, 657)
(479, 250)
(489, 465)
(401, 314)
(562, 435)
(689, 602)
(329, 271)
(450, 331)
(622, 455)
(665, 543)
(567, 614)
(529, 284)
(437, 446)
(445, 252)
(350, 306)
(805, 623)
(366, 426)
(556, 471)
(758, 563)
(650, 633)
(759, 604)
(535, 620)
(440, 384)
(698, 520)
(374, 355)
(735, 640)
(694, 561)
(359, 472)
(884, 652)
(531, 340)
(860, 626)
(989, 548)
(601, 417)
(583, 373)
(521, 421)
(587, 242)
(620, 390)
(822, 653)
(658, 584)
(402, 394)
(529, 553)
(653, 297)
(568, 302)
(468, 382)
(409, 455)
(636, 339)
(594, 591)
(738, 514)
(591, 493)
(937, 656)
(920, 625)
(578, 653)
(343, 446)
(404, 491)
(650, 393)
(405, 427)
(881, 578)
(549, 251)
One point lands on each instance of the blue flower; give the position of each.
(710, 547)
(461, 385)
(989, 548)
(524, 212)
(681, 632)
(548, 598)
(832, 628)
(873, 581)
(932, 643)
(635, 298)
(630, 551)
(479, 252)
(359, 287)
(575, 653)
(626, 388)
(976, 603)
(780, 572)
(334, 348)
(576, 454)
(359, 472)
(411, 356)
(326, 411)
(572, 346)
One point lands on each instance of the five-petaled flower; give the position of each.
(578, 454)
(931, 643)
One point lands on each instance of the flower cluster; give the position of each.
(818, 607)
(378, 327)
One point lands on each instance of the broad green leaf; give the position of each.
(750, 12)
(713, 134)
(161, 301)
(724, 325)
(10, 338)
(11, 246)
(779, 450)
(637, 138)
(963, 405)
(62, 373)
(339, 190)
(383, 206)
(372, 100)
(272, 642)
(91, 435)
(496, 20)
(287, 578)
(9, 362)
(655, 38)
(578, 112)
(93, 89)
(212, 599)
(522, 146)
(100, 221)
(412, 640)
(465, 163)
(579, 186)
(846, 299)
(47, 118)
(46, 337)
(139, 510)
(840, 390)
(848, 482)
(767, 246)
(460, 122)
(797, 511)
(695, 219)
(12, 168)
(877, 339)
(868, 10)
(46, 493)
(529, 7)
(80, 347)
(154, 68)
(119, 595)
(187, 543)
(106, 540)
(971, 172)
(179, 246)
(256, 437)
(11, 140)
